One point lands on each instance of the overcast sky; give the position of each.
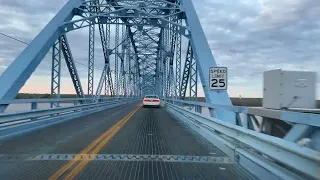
(247, 36)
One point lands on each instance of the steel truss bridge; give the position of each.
(159, 48)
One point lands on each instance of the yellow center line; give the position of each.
(99, 143)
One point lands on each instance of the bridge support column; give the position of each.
(91, 60)
(56, 72)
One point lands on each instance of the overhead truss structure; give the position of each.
(145, 57)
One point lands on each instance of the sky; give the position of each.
(247, 36)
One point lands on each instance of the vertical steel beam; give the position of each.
(165, 64)
(56, 72)
(127, 73)
(173, 38)
(130, 64)
(162, 63)
(205, 60)
(167, 61)
(158, 64)
(178, 64)
(193, 91)
(116, 67)
(110, 84)
(91, 60)
(171, 82)
(91, 52)
(106, 86)
(123, 54)
(71, 66)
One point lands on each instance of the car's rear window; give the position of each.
(151, 97)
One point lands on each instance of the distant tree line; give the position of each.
(36, 96)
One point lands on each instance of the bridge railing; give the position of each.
(57, 101)
(238, 140)
(309, 119)
(8, 119)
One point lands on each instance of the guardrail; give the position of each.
(75, 101)
(288, 116)
(301, 159)
(8, 119)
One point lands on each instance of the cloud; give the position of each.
(247, 36)
(250, 37)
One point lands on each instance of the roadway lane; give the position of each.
(144, 131)
(153, 131)
(68, 137)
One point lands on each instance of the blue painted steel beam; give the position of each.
(107, 88)
(205, 60)
(91, 51)
(56, 71)
(186, 72)
(116, 66)
(91, 60)
(178, 64)
(15, 76)
(193, 87)
(104, 44)
(110, 84)
(122, 75)
(134, 49)
(100, 85)
(71, 66)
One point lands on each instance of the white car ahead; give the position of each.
(151, 100)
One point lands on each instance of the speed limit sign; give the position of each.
(218, 78)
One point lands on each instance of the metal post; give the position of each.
(116, 67)
(56, 72)
(193, 81)
(106, 87)
(123, 55)
(178, 64)
(91, 56)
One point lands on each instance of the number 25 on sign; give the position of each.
(218, 78)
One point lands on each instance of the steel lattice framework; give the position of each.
(147, 52)
(55, 71)
(91, 56)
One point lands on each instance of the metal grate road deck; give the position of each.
(151, 145)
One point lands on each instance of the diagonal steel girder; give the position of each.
(16, 75)
(66, 51)
(186, 72)
(100, 85)
(107, 62)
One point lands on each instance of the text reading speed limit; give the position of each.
(218, 78)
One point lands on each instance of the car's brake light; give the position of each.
(156, 100)
(146, 100)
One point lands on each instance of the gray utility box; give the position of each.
(289, 89)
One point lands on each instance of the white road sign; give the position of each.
(218, 78)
